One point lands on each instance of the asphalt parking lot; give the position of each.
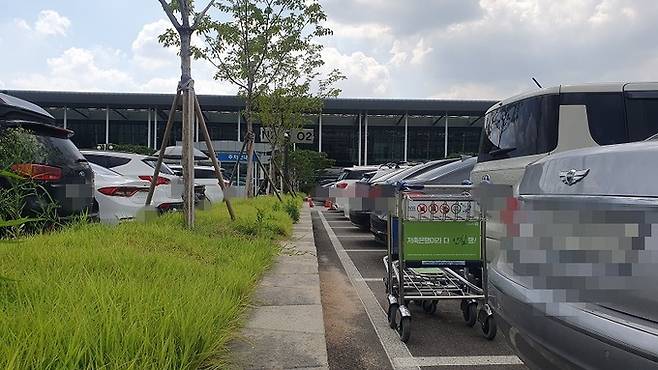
(354, 304)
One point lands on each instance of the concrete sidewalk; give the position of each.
(285, 328)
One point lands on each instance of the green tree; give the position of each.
(306, 165)
(261, 46)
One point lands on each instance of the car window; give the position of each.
(151, 162)
(204, 173)
(107, 161)
(521, 128)
(58, 151)
(605, 115)
(99, 170)
(355, 174)
(642, 114)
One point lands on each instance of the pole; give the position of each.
(288, 184)
(320, 133)
(286, 164)
(65, 116)
(107, 126)
(365, 140)
(188, 155)
(239, 128)
(213, 158)
(267, 177)
(155, 128)
(360, 151)
(406, 136)
(148, 129)
(445, 139)
(165, 139)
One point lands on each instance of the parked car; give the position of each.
(528, 127)
(141, 167)
(377, 190)
(453, 173)
(205, 175)
(342, 191)
(581, 272)
(58, 165)
(123, 198)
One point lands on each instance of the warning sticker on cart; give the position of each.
(441, 210)
(441, 241)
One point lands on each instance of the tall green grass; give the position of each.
(137, 295)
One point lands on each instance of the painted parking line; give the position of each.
(458, 361)
(371, 279)
(393, 347)
(365, 250)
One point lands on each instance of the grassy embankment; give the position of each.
(137, 295)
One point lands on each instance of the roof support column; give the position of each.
(445, 139)
(239, 115)
(406, 135)
(65, 116)
(365, 139)
(360, 149)
(155, 128)
(196, 130)
(320, 132)
(107, 125)
(148, 129)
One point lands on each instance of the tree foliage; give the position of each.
(269, 50)
(306, 165)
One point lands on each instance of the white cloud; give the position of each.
(77, 69)
(22, 24)
(359, 31)
(49, 22)
(148, 52)
(420, 51)
(469, 91)
(364, 73)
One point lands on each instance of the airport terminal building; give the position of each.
(351, 131)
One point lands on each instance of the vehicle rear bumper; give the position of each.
(579, 340)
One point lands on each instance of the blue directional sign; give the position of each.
(231, 157)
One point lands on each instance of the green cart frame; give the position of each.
(437, 252)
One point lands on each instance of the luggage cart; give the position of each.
(436, 251)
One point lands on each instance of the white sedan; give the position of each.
(122, 198)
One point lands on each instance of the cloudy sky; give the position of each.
(474, 49)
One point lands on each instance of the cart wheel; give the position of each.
(429, 307)
(392, 311)
(404, 328)
(470, 314)
(489, 327)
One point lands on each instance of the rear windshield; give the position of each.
(25, 145)
(353, 174)
(59, 151)
(163, 169)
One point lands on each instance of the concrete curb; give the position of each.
(285, 329)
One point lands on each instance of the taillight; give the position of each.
(38, 171)
(159, 181)
(341, 185)
(120, 191)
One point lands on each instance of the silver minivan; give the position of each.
(550, 279)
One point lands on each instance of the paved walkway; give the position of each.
(285, 329)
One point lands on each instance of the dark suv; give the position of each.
(58, 167)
